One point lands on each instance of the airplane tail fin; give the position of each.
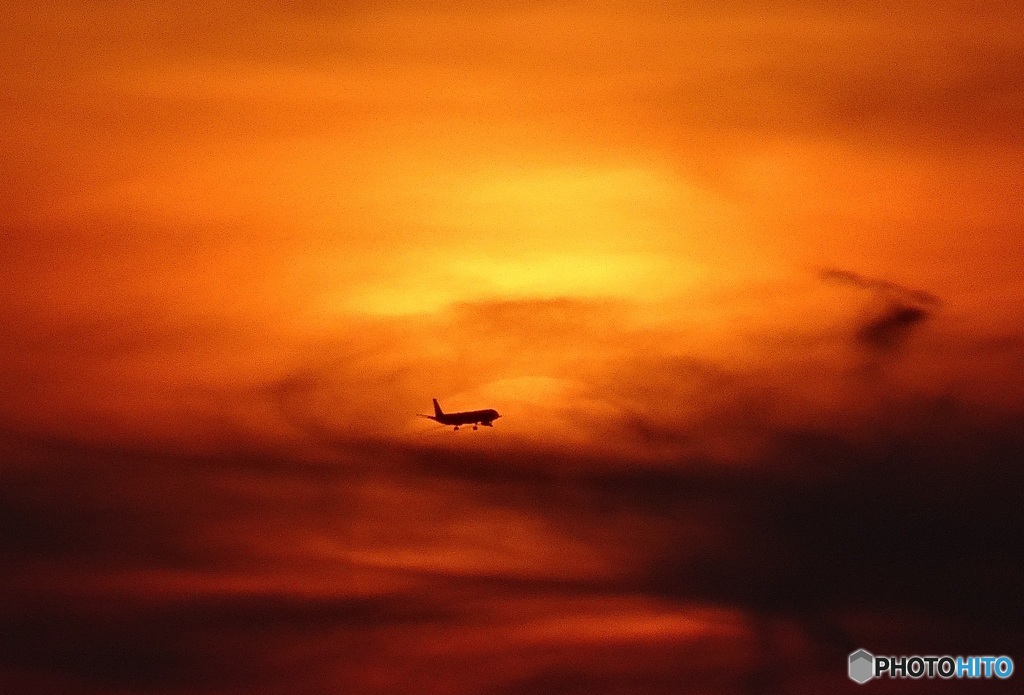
(437, 409)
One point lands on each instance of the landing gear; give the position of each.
(474, 426)
(456, 428)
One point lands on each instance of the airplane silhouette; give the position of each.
(469, 417)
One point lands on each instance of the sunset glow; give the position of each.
(743, 281)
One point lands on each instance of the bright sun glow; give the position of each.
(539, 276)
(538, 233)
(590, 209)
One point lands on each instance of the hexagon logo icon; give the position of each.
(862, 666)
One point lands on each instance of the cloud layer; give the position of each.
(743, 283)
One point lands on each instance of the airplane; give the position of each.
(469, 417)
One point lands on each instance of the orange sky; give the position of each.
(200, 198)
(647, 233)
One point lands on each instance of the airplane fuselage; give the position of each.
(467, 417)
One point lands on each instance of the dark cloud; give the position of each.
(847, 277)
(891, 328)
(221, 643)
(840, 535)
(148, 571)
(896, 312)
